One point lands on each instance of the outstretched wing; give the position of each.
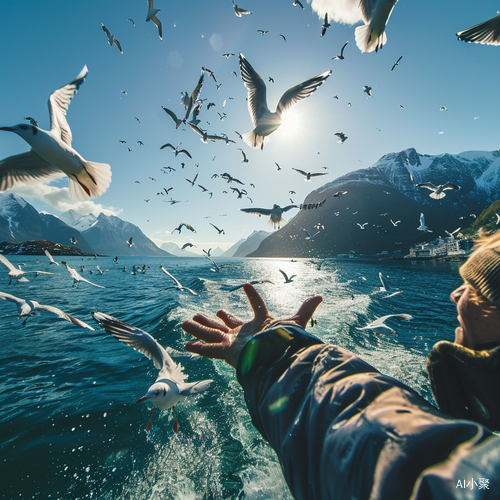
(289, 207)
(168, 274)
(450, 185)
(63, 315)
(7, 264)
(258, 211)
(257, 100)
(300, 91)
(381, 321)
(487, 32)
(428, 185)
(9, 297)
(58, 106)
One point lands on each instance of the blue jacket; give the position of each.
(343, 430)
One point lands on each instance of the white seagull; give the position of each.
(177, 286)
(27, 308)
(151, 16)
(308, 175)
(170, 386)
(452, 234)
(129, 242)
(423, 227)
(51, 153)
(76, 277)
(264, 120)
(17, 273)
(52, 261)
(309, 237)
(239, 12)
(437, 191)
(376, 13)
(111, 39)
(188, 101)
(379, 325)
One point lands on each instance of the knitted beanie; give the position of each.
(482, 272)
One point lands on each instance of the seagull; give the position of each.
(487, 32)
(326, 25)
(73, 240)
(341, 137)
(265, 121)
(186, 245)
(139, 121)
(395, 223)
(129, 242)
(51, 153)
(385, 285)
(282, 36)
(262, 32)
(244, 158)
(309, 237)
(376, 13)
(176, 150)
(287, 279)
(379, 325)
(177, 286)
(131, 20)
(339, 194)
(202, 133)
(207, 253)
(183, 224)
(396, 63)
(227, 55)
(367, 90)
(437, 191)
(341, 56)
(193, 181)
(219, 230)
(275, 213)
(151, 16)
(52, 261)
(27, 308)
(254, 282)
(308, 175)
(443, 108)
(178, 122)
(298, 3)
(76, 277)
(239, 12)
(423, 227)
(452, 234)
(17, 273)
(188, 101)
(277, 166)
(362, 226)
(170, 386)
(111, 38)
(230, 179)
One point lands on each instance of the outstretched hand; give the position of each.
(226, 340)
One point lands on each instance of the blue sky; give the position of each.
(46, 44)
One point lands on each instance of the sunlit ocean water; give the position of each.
(69, 425)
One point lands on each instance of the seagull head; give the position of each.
(161, 394)
(22, 129)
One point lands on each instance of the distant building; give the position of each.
(441, 248)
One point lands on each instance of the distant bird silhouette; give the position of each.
(396, 63)
(287, 279)
(341, 137)
(73, 240)
(178, 122)
(367, 90)
(111, 38)
(325, 26)
(176, 149)
(219, 230)
(341, 56)
(186, 245)
(379, 325)
(339, 194)
(298, 3)
(309, 175)
(129, 242)
(151, 16)
(362, 226)
(193, 181)
(187, 226)
(275, 213)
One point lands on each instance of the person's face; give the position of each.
(477, 326)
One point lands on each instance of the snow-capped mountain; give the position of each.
(382, 207)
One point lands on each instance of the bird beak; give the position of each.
(144, 398)
(9, 129)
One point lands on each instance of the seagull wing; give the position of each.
(50, 256)
(90, 282)
(58, 106)
(319, 173)
(288, 207)
(7, 264)
(284, 274)
(168, 274)
(381, 321)
(450, 185)
(9, 297)
(257, 100)
(185, 152)
(186, 389)
(108, 34)
(26, 168)
(258, 211)
(141, 341)
(197, 129)
(158, 25)
(342, 50)
(63, 315)
(385, 286)
(117, 43)
(428, 185)
(300, 91)
(487, 32)
(168, 145)
(171, 114)
(300, 171)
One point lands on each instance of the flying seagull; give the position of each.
(396, 63)
(52, 261)
(254, 282)
(437, 191)
(287, 279)
(176, 149)
(170, 385)
(309, 237)
(219, 230)
(129, 242)
(339, 194)
(183, 224)
(244, 158)
(308, 175)
(27, 308)
(73, 240)
(186, 245)
(193, 181)
(422, 226)
(76, 277)
(178, 122)
(264, 120)
(275, 213)
(111, 38)
(51, 153)
(341, 56)
(487, 32)
(326, 25)
(367, 90)
(17, 274)
(376, 13)
(239, 12)
(151, 16)
(298, 3)
(452, 234)
(379, 325)
(177, 286)
(341, 137)
(188, 101)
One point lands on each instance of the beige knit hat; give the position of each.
(482, 270)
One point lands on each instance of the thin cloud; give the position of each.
(59, 199)
(340, 11)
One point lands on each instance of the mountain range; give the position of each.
(381, 209)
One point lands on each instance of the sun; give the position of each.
(291, 123)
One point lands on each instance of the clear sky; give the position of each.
(46, 44)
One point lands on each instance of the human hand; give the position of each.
(226, 340)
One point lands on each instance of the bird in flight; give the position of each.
(309, 237)
(339, 194)
(422, 226)
(396, 63)
(244, 158)
(287, 279)
(275, 213)
(367, 90)
(379, 325)
(177, 286)
(264, 120)
(341, 137)
(193, 181)
(487, 32)
(308, 175)
(176, 149)
(219, 230)
(188, 101)
(129, 242)
(239, 11)
(183, 224)
(341, 56)
(230, 179)
(111, 38)
(438, 191)
(51, 154)
(298, 3)
(325, 26)
(17, 274)
(178, 122)
(73, 240)
(362, 226)
(151, 16)
(170, 386)
(76, 277)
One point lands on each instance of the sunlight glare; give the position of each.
(290, 124)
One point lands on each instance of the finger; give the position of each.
(229, 320)
(210, 335)
(203, 320)
(306, 310)
(213, 351)
(256, 301)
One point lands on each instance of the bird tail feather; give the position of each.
(368, 40)
(91, 183)
(255, 141)
(437, 196)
